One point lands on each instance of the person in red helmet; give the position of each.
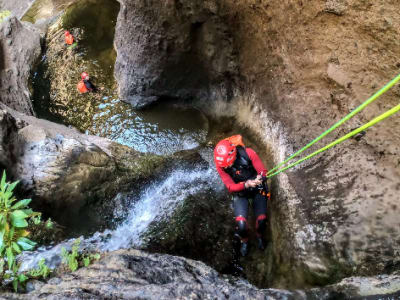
(244, 175)
(85, 85)
(69, 39)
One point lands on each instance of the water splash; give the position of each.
(155, 204)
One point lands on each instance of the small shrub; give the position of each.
(74, 259)
(13, 234)
(42, 271)
(71, 258)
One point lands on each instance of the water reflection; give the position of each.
(163, 129)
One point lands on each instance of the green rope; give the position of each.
(350, 115)
(347, 136)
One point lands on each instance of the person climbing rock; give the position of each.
(85, 85)
(244, 175)
(69, 39)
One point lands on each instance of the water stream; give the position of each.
(155, 204)
(163, 129)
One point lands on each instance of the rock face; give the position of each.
(199, 229)
(295, 69)
(137, 275)
(134, 274)
(19, 50)
(316, 61)
(179, 49)
(18, 8)
(67, 173)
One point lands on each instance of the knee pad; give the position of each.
(261, 223)
(241, 227)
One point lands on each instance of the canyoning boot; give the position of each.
(244, 248)
(260, 243)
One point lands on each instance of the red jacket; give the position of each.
(237, 187)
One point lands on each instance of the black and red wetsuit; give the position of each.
(246, 166)
(89, 85)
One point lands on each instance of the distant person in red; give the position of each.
(69, 39)
(85, 85)
(244, 175)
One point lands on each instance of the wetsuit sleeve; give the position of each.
(256, 161)
(229, 183)
(89, 85)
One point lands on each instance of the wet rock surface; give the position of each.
(179, 49)
(67, 173)
(133, 274)
(303, 66)
(19, 50)
(199, 229)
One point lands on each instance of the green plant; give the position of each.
(42, 271)
(4, 14)
(73, 259)
(13, 236)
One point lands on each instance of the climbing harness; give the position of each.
(274, 171)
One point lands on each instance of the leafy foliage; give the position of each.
(13, 234)
(74, 259)
(71, 258)
(42, 271)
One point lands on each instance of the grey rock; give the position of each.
(67, 172)
(18, 8)
(133, 274)
(172, 49)
(19, 50)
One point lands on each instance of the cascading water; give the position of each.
(163, 129)
(156, 203)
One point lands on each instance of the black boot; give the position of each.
(260, 243)
(244, 248)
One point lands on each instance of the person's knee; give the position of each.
(261, 223)
(241, 223)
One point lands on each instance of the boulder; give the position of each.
(133, 274)
(172, 49)
(70, 175)
(19, 50)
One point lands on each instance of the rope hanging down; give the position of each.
(347, 136)
(349, 116)
(338, 141)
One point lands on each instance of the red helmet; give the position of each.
(84, 75)
(224, 154)
(67, 33)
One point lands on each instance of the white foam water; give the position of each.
(156, 203)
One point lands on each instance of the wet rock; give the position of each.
(132, 274)
(181, 50)
(19, 50)
(69, 174)
(201, 228)
(302, 71)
